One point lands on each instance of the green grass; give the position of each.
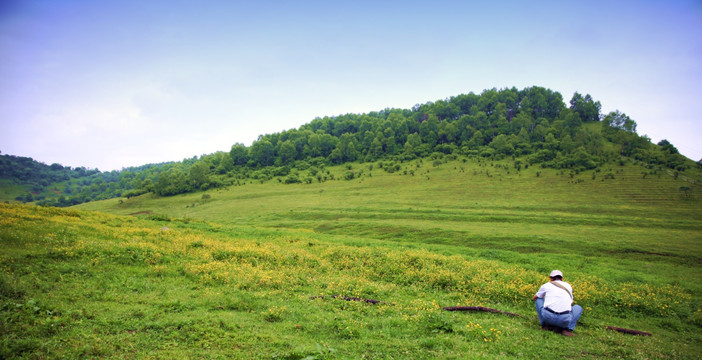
(474, 209)
(249, 272)
(9, 191)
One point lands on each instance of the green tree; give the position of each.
(567, 144)
(336, 156)
(224, 162)
(619, 121)
(287, 152)
(579, 159)
(412, 146)
(502, 145)
(571, 120)
(366, 142)
(500, 111)
(429, 129)
(239, 154)
(487, 101)
(521, 142)
(172, 182)
(445, 110)
(345, 150)
(523, 120)
(198, 176)
(465, 101)
(479, 120)
(477, 140)
(399, 124)
(551, 143)
(590, 139)
(466, 133)
(448, 133)
(539, 133)
(376, 148)
(666, 146)
(262, 153)
(586, 107)
(389, 141)
(314, 146)
(523, 135)
(319, 144)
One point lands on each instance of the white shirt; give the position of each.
(556, 298)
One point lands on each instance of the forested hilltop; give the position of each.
(532, 126)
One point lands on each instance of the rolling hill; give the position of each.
(323, 257)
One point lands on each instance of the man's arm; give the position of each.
(540, 293)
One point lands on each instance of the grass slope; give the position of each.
(233, 275)
(487, 209)
(9, 190)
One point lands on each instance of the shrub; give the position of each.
(292, 179)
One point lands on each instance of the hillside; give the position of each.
(23, 179)
(249, 271)
(260, 252)
(532, 126)
(474, 207)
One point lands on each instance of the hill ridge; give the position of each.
(532, 126)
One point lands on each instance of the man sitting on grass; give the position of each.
(554, 305)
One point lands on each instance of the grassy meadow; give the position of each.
(249, 271)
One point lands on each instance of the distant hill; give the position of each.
(532, 126)
(36, 180)
(23, 179)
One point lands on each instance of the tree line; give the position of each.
(533, 122)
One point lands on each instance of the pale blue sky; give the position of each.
(111, 84)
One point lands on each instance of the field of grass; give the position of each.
(483, 209)
(249, 271)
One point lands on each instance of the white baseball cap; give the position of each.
(555, 273)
